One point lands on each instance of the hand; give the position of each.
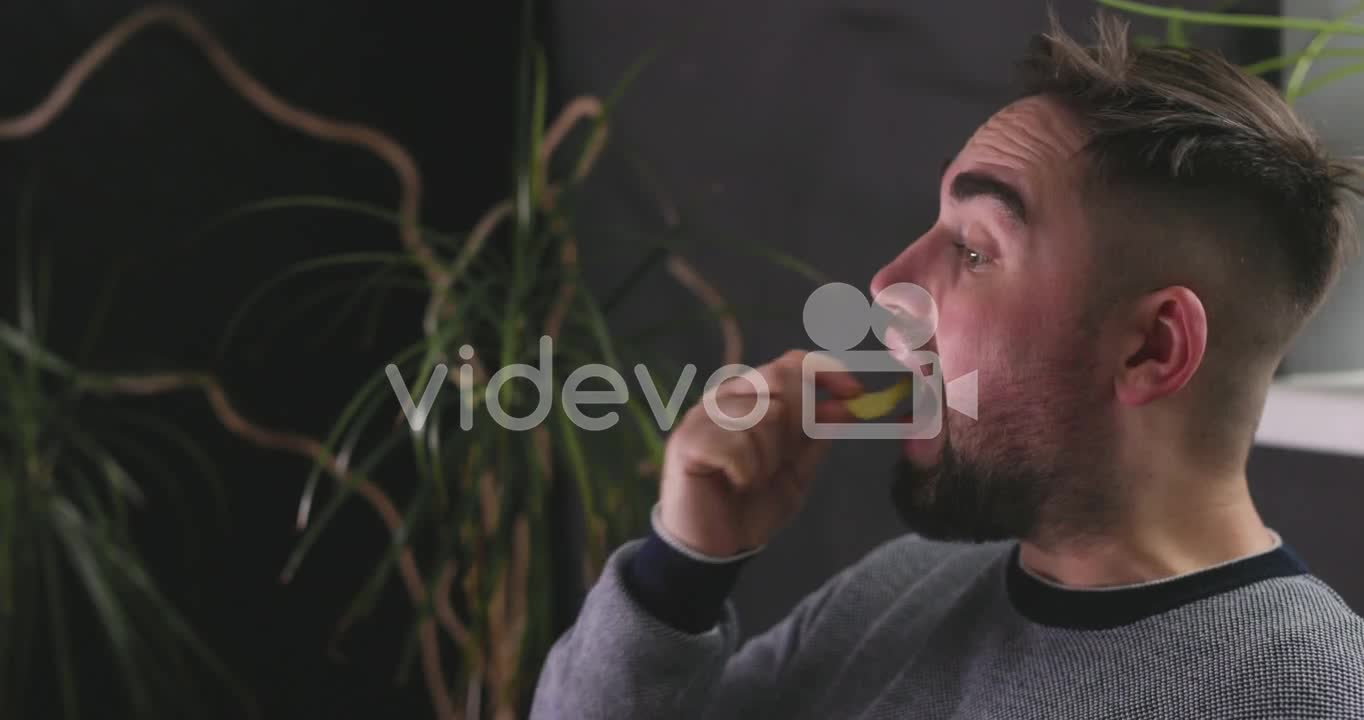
(725, 491)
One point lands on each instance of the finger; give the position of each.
(833, 376)
(842, 385)
(759, 447)
(829, 411)
(728, 452)
(741, 465)
(750, 382)
(780, 376)
(737, 412)
(767, 436)
(833, 410)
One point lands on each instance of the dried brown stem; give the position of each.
(433, 670)
(568, 264)
(254, 92)
(691, 279)
(441, 304)
(584, 106)
(311, 449)
(686, 274)
(511, 606)
(445, 614)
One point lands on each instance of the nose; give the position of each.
(912, 265)
(904, 290)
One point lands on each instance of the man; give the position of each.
(1125, 254)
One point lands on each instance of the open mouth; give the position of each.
(910, 396)
(912, 400)
(915, 399)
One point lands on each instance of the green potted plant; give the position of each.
(470, 540)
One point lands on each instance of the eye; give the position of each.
(971, 258)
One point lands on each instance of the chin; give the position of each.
(942, 494)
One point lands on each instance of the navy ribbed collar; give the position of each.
(1048, 604)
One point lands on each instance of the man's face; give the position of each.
(1010, 262)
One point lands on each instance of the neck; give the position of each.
(1160, 535)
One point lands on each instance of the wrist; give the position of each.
(706, 553)
(676, 587)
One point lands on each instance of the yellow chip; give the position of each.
(872, 405)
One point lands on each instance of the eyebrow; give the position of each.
(972, 184)
(968, 185)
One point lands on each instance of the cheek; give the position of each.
(977, 336)
(1021, 353)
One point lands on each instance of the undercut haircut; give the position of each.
(1200, 174)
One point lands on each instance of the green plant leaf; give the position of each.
(363, 602)
(597, 324)
(1174, 33)
(1272, 22)
(83, 558)
(577, 459)
(28, 348)
(324, 518)
(353, 412)
(1336, 75)
(1293, 89)
(323, 202)
(1282, 61)
(61, 636)
(301, 268)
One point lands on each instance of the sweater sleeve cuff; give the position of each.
(677, 587)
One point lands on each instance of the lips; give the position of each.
(927, 397)
(910, 338)
(910, 357)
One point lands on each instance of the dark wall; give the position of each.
(1314, 500)
(819, 128)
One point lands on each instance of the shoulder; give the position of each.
(910, 557)
(905, 575)
(1305, 652)
(1302, 611)
(898, 567)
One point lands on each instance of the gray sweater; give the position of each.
(924, 629)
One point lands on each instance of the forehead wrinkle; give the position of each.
(1016, 138)
(1049, 115)
(1034, 137)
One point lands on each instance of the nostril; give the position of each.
(877, 284)
(909, 312)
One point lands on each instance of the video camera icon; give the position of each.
(837, 317)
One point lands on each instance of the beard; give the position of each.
(1035, 468)
(964, 499)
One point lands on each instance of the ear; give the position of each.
(1163, 345)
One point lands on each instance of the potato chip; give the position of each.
(872, 405)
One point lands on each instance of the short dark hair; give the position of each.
(1199, 171)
